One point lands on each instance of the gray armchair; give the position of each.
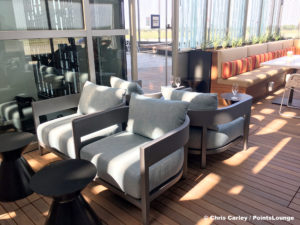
(147, 157)
(212, 129)
(56, 135)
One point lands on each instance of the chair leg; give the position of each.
(41, 150)
(203, 147)
(203, 158)
(185, 162)
(146, 212)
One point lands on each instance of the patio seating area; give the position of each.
(264, 181)
(164, 112)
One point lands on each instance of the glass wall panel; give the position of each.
(110, 58)
(41, 68)
(107, 14)
(23, 15)
(218, 20)
(290, 19)
(266, 17)
(275, 22)
(253, 23)
(191, 23)
(65, 14)
(236, 21)
(36, 69)
(41, 14)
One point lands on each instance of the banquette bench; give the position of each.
(241, 65)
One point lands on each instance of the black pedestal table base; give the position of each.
(71, 210)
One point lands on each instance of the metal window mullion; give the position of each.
(89, 38)
(116, 32)
(34, 34)
(132, 19)
(175, 30)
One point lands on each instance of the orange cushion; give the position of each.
(258, 60)
(293, 49)
(229, 69)
(266, 57)
(270, 55)
(273, 55)
(241, 66)
(250, 63)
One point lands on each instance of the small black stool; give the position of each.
(63, 181)
(15, 172)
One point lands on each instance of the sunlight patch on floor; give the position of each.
(7, 216)
(262, 163)
(267, 111)
(280, 91)
(275, 125)
(50, 157)
(270, 97)
(240, 157)
(205, 221)
(258, 117)
(33, 163)
(97, 189)
(236, 190)
(202, 188)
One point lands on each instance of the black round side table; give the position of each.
(15, 172)
(63, 181)
(230, 99)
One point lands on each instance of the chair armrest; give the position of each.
(52, 105)
(96, 121)
(222, 115)
(170, 142)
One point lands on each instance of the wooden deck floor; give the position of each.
(262, 181)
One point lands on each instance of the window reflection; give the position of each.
(37, 69)
(107, 14)
(41, 14)
(110, 58)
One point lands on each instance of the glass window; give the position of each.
(266, 17)
(65, 15)
(110, 58)
(218, 20)
(107, 14)
(42, 68)
(191, 23)
(40, 15)
(253, 19)
(236, 21)
(290, 19)
(275, 22)
(23, 15)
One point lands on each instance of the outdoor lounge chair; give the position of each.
(144, 160)
(213, 130)
(56, 135)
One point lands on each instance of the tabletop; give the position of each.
(286, 61)
(63, 177)
(11, 141)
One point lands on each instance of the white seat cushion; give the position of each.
(117, 159)
(58, 134)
